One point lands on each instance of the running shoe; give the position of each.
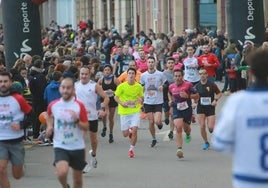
(131, 154)
(103, 133)
(86, 169)
(93, 160)
(153, 143)
(160, 126)
(179, 153)
(187, 138)
(170, 135)
(166, 121)
(111, 138)
(44, 142)
(206, 146)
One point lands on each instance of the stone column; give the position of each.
(191, 14)
(165, 27)
(108, 4)
(178, 17)
(117, 14)
(142, 15)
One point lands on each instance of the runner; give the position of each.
(153, 81)
(206, 105)
(191, 73)
(168, 73)
(15, 115)
(180, 94)
(67, 117)
(242, 128)
(129, 96)
(87, 91)
(209, 61)
(109, 83)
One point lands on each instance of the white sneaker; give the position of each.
(93, 160)
(180, 153)
(86, 169)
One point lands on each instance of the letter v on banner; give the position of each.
(245, 21)
(21, 20)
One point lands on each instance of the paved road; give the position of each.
(151, 168)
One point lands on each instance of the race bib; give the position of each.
(68, 136)
(109, 93)
(205, 100)
(131, 104)
(182, 105)
(152, 93)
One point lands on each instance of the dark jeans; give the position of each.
(226, 82)
(233, 86)
(38, 108)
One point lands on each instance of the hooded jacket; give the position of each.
(52, 91)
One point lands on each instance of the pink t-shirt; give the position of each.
(178, 66)
(142, 65)
(175, 91)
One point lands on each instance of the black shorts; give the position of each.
(112, 103)
(75, 158)
(152, 108)
(185, 114)
(166, 106)
(208, 111)
(93, 126)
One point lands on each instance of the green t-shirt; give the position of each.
(130, 94)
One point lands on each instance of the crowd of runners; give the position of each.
(85, 75)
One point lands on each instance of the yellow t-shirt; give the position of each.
(130, 94)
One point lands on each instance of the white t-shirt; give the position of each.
(86, 93)
(151, 83)
(12, 109)
(67, 134)
(191, 73)
(242, 130)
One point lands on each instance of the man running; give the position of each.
(129, 96)
(168, 73)
(242, 127)
(180, 94)
(15, 114)
(209, 61)
(206, 105)
(87, 91)
(67, 117)
(153, 81)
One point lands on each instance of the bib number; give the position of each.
(205, 100)
(152, 93)
(109, 93)
(182, 105)
(68, 136)
(131, 104)
(264, 152)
